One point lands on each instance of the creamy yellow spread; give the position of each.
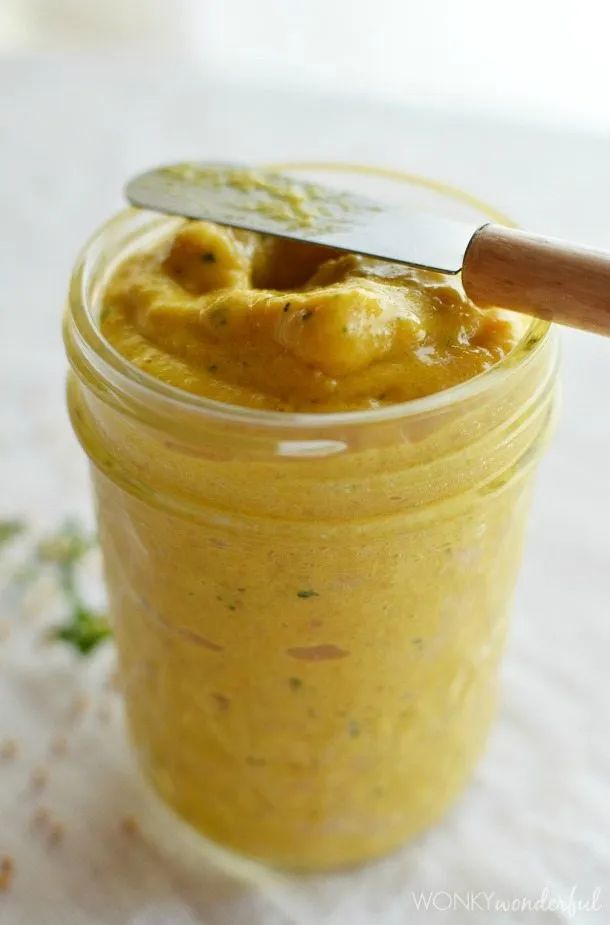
(308, 647)
(267, 322)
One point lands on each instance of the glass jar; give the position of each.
(309, 609)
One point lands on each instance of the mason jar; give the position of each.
(309, 609)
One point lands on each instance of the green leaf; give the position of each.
(307, 593)
(85, 630)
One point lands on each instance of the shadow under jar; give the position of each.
(309, 610)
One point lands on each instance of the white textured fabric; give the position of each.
(537, 815)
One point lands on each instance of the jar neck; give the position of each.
(192, 418)
(453, 457)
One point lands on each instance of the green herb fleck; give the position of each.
(208, 257)
(85, 629)
(307, 315)
(60, 553)
(417, 642)
(307, 593)
(295, 684)
(287, 307)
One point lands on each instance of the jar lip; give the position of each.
(113, 367)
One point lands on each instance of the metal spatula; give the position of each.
(501, 267)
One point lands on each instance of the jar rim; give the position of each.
(111, 365)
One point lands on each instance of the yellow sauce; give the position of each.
(271, 323)
(308, 646)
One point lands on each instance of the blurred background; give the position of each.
(538, 59)
(509, 101)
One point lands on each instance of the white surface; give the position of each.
(538, 813)
(546, 58)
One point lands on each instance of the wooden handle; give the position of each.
(551, 279)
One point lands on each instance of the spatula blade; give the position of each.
(271, 203)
